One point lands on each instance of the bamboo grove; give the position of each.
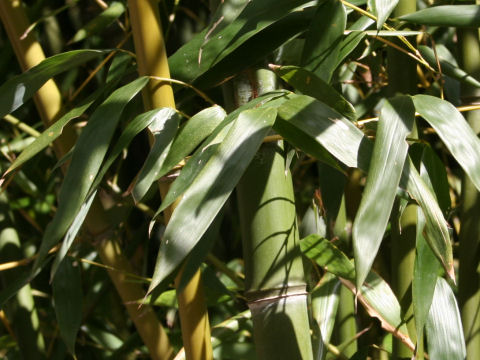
(263, 179)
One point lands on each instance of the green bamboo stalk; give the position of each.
(346, 322)
(469, 278)
(275, 284)
(48, 102)
(402, 79)
(152, 60)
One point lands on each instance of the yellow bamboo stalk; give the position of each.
(152, 61)
(49, 103)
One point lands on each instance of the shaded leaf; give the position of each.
(454, 131)
(71, 234)
(382, 10)
(87, 158)
(19, 89)
(310, 84)
(444, 326)
(447, 68)
(163, 129)
(107, 17)
(203, 52)
(67, 297)
(386, 166)
(446, 15)
(323, 40)
(204, 198)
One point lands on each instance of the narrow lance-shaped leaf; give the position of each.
(386, 166)
(108, 16)
(375, 295)
(71, 234)
(202, 155)
(211, 188)
(382, 10)
(88, 155)
(134, 128)
(444, 325)
(325, 299)
(323, 41)
(446, 15)
(318, 126)
(202, 52)
(447, 68)
(52, 133)
(454, 131)
(67, 297)
(19, 89)
(163, 129)
(310, 84)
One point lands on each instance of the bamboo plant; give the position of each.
(260, 121)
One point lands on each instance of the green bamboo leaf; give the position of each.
(324, 39)
(204, 51)
(67, 298)
(106, 18)
(71, 234)
(382, 10)
(444, 326)
(351, 41)
(163, 128)
(20, 88)
(424, 280)
(310, 84)
(454, 131)
(260, 45)
(203, 154)
(88, 155)
(325, 298)
(211, 188)
(446, 15)
(436, 230)
(447, 68)
(197, 128)
(316, 123)
(137, 125)
(389, 154)
(328, 256)
(375, 295)
(52, 133)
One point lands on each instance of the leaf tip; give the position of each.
(274, 67)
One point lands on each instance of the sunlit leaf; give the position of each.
(444, 325)
(87, 158)
(454, 131)
(163, 129)
(382, 10)
(323, 39)
(310, 84)
(204, 198)
(19, 89)
(446, 15)
(386, 166)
